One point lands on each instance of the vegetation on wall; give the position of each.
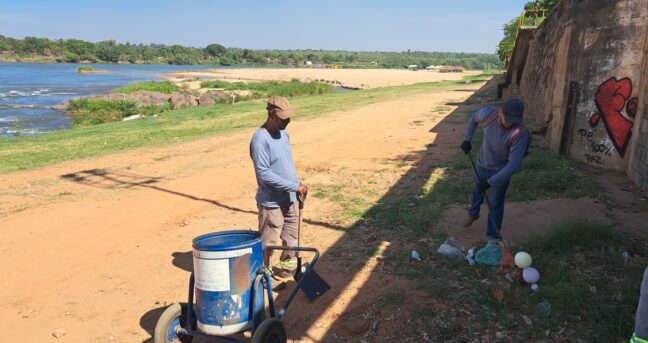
(506, 45)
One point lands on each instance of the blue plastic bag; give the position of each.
(490, 254)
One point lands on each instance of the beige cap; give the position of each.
(279, 106)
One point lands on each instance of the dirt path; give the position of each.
(99, 247)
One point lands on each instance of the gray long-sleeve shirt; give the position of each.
(274, 168)
(495, 152)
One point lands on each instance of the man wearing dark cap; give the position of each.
(505, 144)
(277, 182)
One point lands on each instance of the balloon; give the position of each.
(522, 260)
(530, 275)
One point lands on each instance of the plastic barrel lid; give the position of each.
(226, 240)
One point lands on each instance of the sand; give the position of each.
(350, 78)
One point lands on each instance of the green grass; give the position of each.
(22, 153)
(543, 175)
(392, 299)
(88, 112)
(82, 69)
(165, 87)
(589, 287)
(288, 89)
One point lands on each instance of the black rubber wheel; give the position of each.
(270, 331)
(170, 320)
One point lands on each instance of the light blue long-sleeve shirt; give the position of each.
(274, 168)
(495, 153)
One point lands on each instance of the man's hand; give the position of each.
(466, 146)
(302, 189)
(483, 185)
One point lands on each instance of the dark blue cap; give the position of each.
(513, 109)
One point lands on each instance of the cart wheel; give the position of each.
(270, 331)
(170, 320)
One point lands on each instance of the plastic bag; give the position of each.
(490, 254)
(452, 249)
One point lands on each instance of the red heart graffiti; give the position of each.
(611, 99)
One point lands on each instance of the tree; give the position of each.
(506, 45)
(4, 43)
(35, 45)
(107, 51)
(215, 50)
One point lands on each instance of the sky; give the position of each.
(359, 25)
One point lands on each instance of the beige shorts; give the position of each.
(279, 226)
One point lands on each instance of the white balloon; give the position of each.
(523, 260)
(531, 275)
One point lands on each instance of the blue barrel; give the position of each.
(225, 266)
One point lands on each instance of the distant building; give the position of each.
(451, 69)
(413, 67)
(432, 67)
(309, 63)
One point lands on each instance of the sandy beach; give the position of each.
(349, 78)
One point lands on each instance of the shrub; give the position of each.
(91, 112)
(287, 89)
(153, 86)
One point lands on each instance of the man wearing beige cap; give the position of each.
(278, 183)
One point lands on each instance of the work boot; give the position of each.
(469, 220)
(286, 268)
(289, 264)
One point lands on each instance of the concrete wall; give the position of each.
(584, 81)
(638, 169)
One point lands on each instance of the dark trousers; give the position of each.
(496, 195)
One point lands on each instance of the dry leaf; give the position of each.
(498, 294)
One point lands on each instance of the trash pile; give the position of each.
(493, 254)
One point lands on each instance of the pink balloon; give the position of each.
(530, 275)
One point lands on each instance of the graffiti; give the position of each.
(601, 148)
(598, 150)
(612, 98)
(585, 134)
(593, 159)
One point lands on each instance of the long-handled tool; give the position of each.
(313, 284)
(507, 257)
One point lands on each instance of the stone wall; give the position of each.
(584, 82)
(638, 169)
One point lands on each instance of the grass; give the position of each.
(587, 289)
(392, 298)
(89, 70)
(543, 175)
(586, 279)
(23, 153)
(165, 87)
(92, 112)
(88, 112)
(262, 89)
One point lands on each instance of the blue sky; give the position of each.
(432, 25)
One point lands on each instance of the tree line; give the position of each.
(110, 51)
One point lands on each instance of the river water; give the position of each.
(28, 91)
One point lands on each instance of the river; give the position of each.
(28, 91)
